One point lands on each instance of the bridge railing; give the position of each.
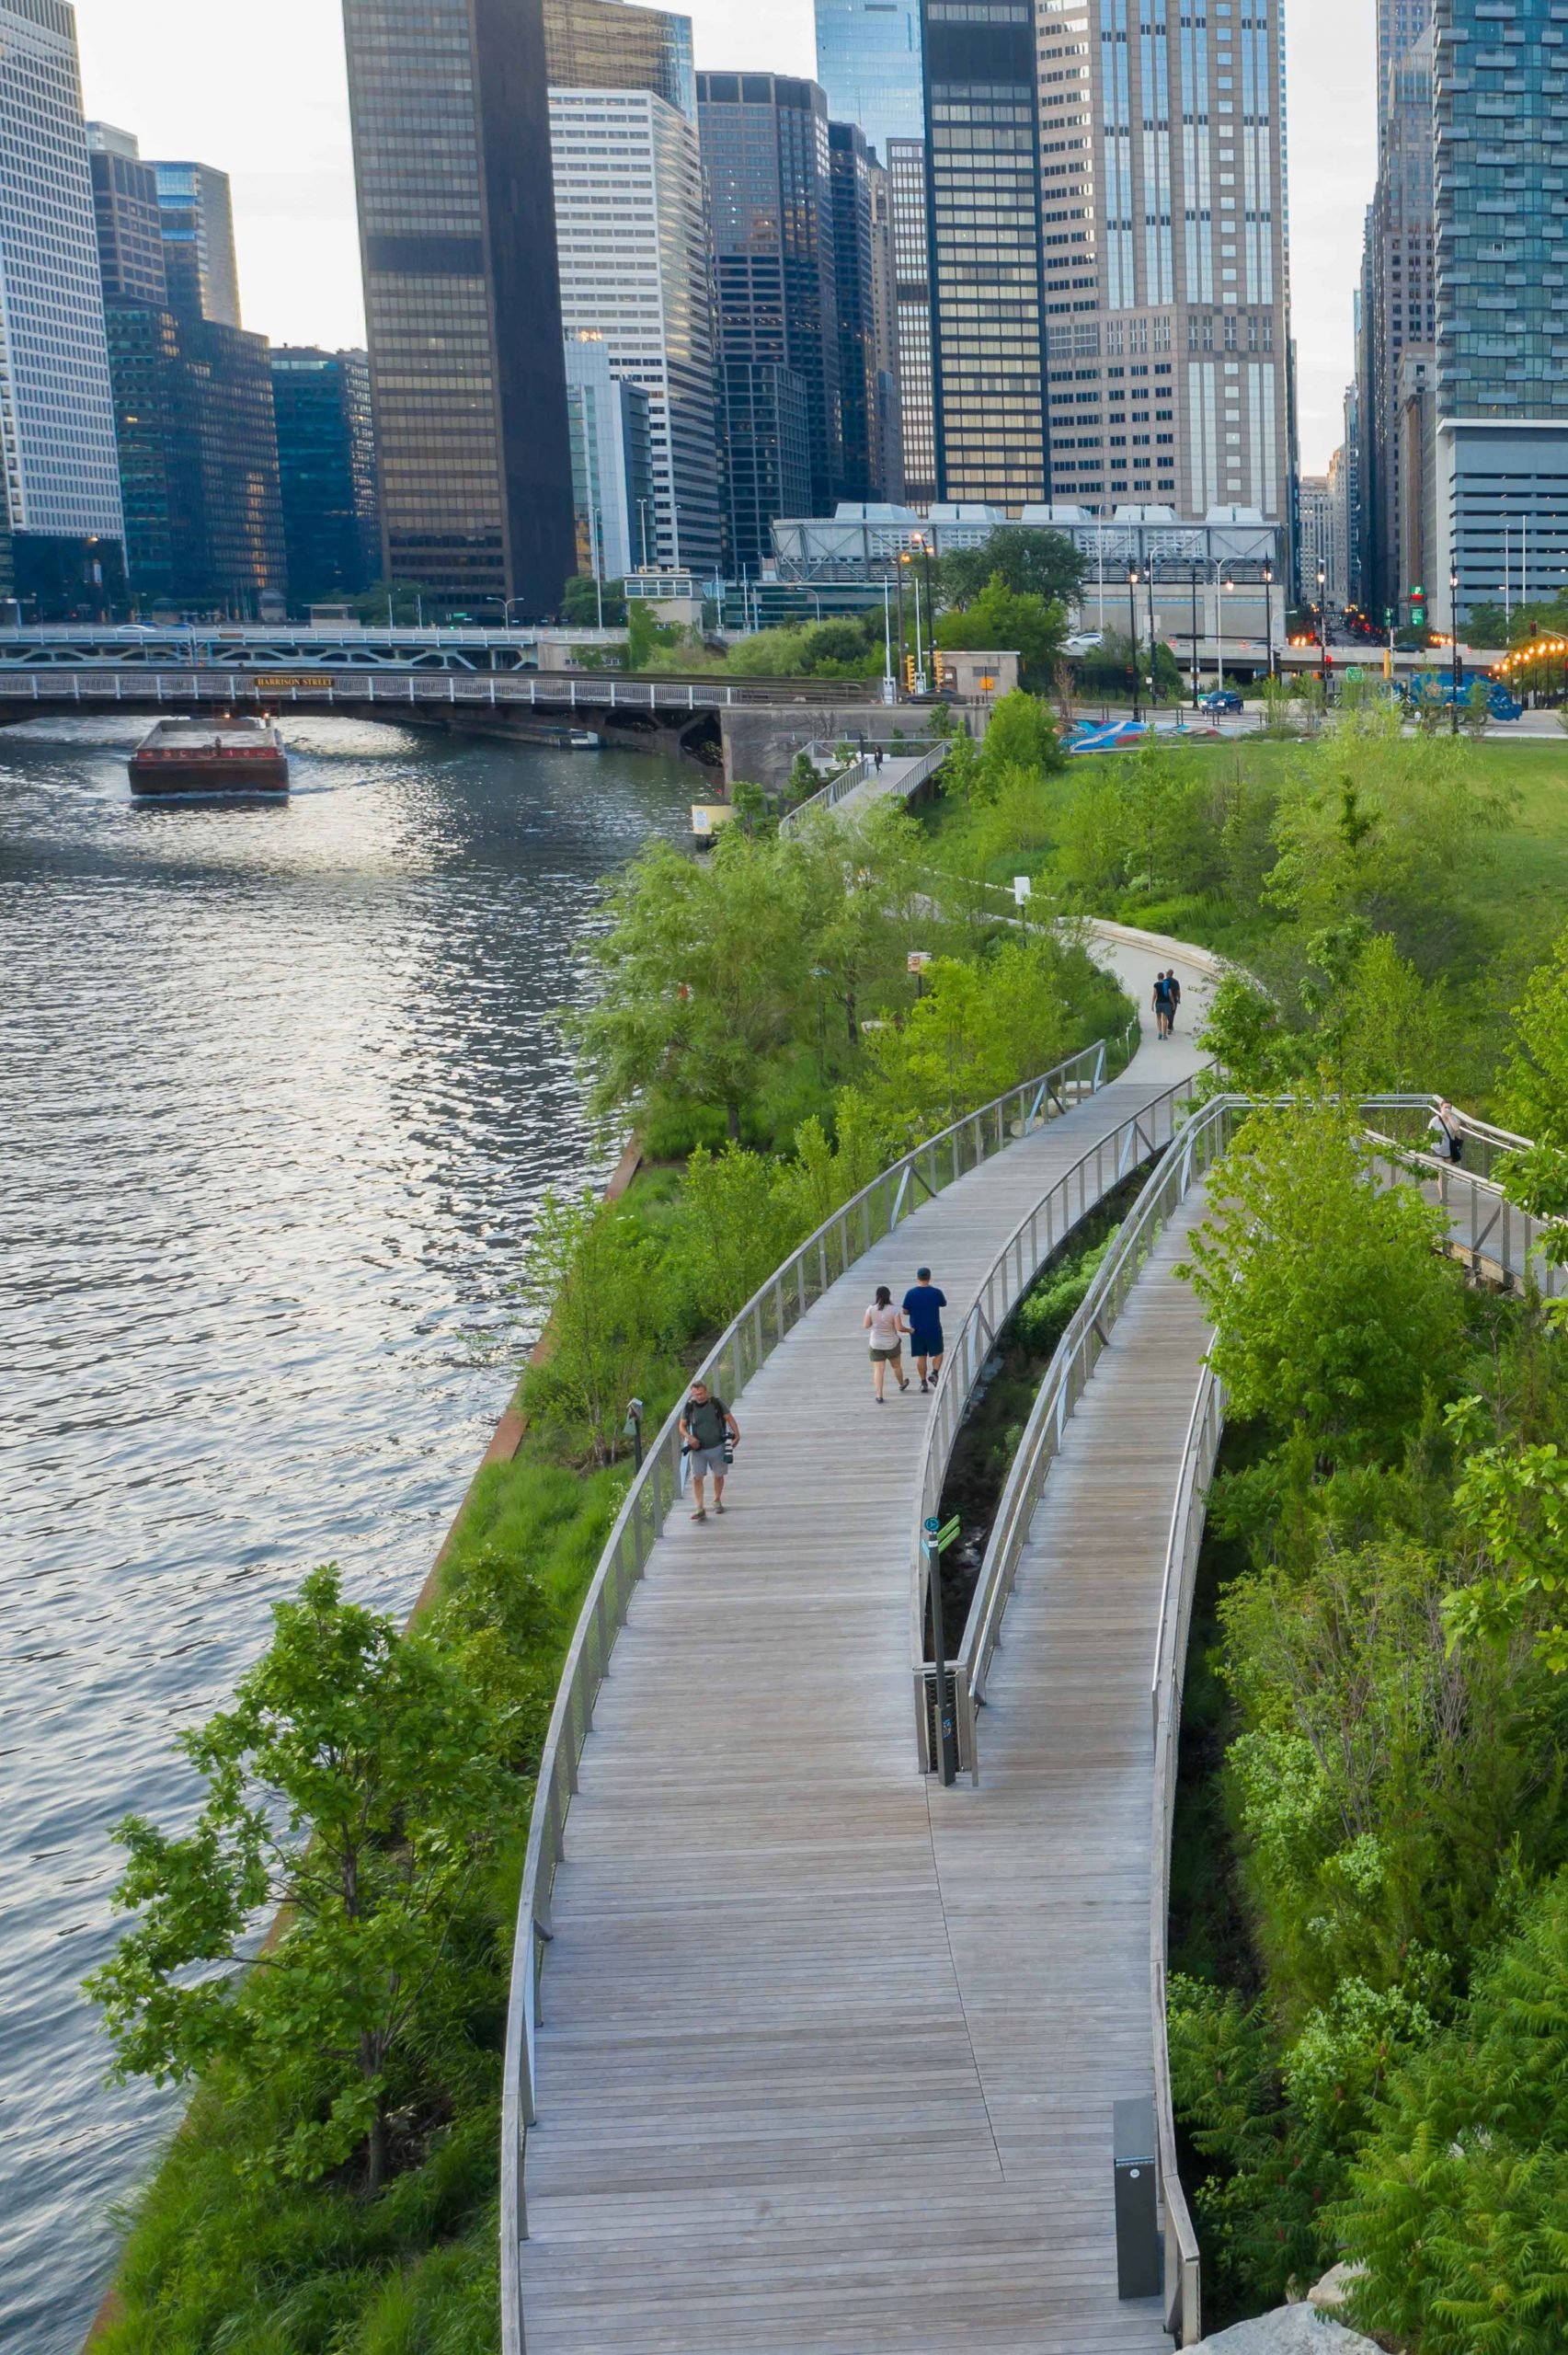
(748, 1342)
(864, 772)
(180, 687)
(1017, 1266)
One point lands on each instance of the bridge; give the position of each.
(809, 2048)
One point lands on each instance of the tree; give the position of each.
(703, 981)
(734, 1227)
(401, 602)
(1487, 626)
(1006, 620)
(359, 1782)
(1022, 734)
(1030, 563)
(1535, 1095)
(590, 1271)
(580, 602)
(1332, 1310)
(977, 1030)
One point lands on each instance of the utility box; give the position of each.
(1139, 2255)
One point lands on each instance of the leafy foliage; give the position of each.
(1028, 563)
(1010, 620)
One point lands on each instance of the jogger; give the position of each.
(924, 1305)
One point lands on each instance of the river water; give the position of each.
(279, 1090)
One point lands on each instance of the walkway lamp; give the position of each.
(1324, 626)
(1132, 635)
(1268, 615)
(890, 684)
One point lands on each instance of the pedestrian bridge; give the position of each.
(810, 2048)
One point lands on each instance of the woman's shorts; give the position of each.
(885, 1357)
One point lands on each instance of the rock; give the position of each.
(1292, 2330)
(1334, 2287)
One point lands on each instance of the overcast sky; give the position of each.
(261, 92)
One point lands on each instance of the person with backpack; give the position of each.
(1173, 990)
(708, 1433)
(924, 1305)
(886, 1330)
(1447, 1137)
(1164, 1008)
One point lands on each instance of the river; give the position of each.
(280, 1091)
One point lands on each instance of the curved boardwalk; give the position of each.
(827, 2055)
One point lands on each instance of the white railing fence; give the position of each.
(921, 768)
(749, 1341)
(1015, 1268)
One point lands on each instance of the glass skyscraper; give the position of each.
(197, 218)
(605, 45)
(327, 466)
(868, 62)
(1501, 175)
(452, 156)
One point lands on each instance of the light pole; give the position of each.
(1323, 628)
(1196, 676)
(1153, 655)
(889, 686)
(1268, 615)
(1132, 636)
(1454, 632)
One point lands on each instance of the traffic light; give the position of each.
(911, 672)
(1418, 607)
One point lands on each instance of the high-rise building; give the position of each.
(1398, 290)
(765, 148)
(868, 62)
(197, 218)
(867, 357)
(59, 473)
(984, 233)
(1314, 540)
(1351, 454)
(1162, 150)
(1416, 453)
(1401, 24)
(326, 470)
(612, 464)
(888, 457)
(193, 411)
(605, 45)
(1500, 493)
(912, 275)
(632, 232)
(452, 155)
(1339, 531)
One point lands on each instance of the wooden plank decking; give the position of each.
(820, 2061)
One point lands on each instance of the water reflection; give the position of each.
(279, 1090)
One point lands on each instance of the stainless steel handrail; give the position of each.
(864, 772)
(1037, 1236)
(765, 1320)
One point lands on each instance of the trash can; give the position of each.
(1139, 2254)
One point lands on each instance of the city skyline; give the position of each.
(294, 196)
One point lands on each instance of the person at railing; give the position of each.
(1447, 1137)
(924, 1305)
(887, 1328)
(708, 1433)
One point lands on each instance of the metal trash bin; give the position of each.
(1139, 2254)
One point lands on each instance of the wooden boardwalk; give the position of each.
(827, 2055)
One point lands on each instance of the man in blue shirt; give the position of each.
(924, 1305)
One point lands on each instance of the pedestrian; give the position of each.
(1174, 989)
(708, 1433)
(886, 1330)
(879, 760)
(924, 1305)
(1163, 1012)
(1447, 1137)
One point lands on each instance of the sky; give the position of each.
(261, 92)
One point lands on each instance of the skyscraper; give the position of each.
(611, 463)
(129, 225)
(765, 146)
(452, 155)
(868, 62)
(632, 233)
(605, 45)
(1163, 145)
(61, 478)
(867, 361)
(982, 163)
(1398, 289)
(197, 221)
(1501, 459)
(327, 469)
(911, 273)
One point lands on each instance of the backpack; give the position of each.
(706, 1423)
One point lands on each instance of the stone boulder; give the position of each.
(1292, 2330)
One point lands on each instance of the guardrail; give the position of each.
(748, 1342)
(865, 771)
(554, 690)
(1017, 1265)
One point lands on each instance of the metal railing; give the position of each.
(572, 691)
(749, 1341)
(1035, 1239)
(922, 767)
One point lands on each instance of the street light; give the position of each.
(890, 685)
(1268, 615)
(1132, 636)
(1454, 632)
(1324, 628)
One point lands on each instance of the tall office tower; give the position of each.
(889, 463)
(1163, 148)
(611, 463)
(632, 233)
(863, 372)
(765, 147)
(1398, 304)
(452, 155)
(868, 62)
(1500, 472)
(1314, 538)
(327, 468)
(129, 225)
(1339, 531)
(1401, 24)
(199, 242)
(60, 485)
(1416, 415)
(605, 45)
(1351, 453)
(911, 273)
(988, 331)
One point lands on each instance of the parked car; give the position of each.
(1220, 699)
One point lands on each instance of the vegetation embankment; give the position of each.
(333, 2191)
(1370, 2005)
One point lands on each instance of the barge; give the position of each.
(242, 757)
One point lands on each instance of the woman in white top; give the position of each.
(886, 1327)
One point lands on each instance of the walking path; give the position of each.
(786, 2100)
